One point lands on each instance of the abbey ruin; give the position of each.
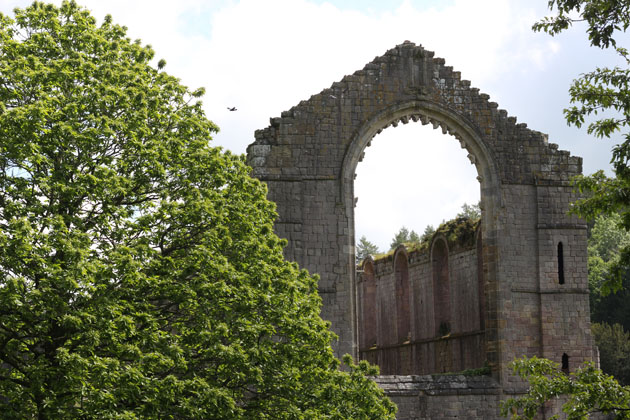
(516, 285)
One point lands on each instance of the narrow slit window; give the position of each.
(560, 264)
(565, 363)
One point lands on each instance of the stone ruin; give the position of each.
(420, 308)
(524, 274)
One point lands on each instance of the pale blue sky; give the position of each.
(266, 56)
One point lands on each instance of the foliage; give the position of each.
(585, 392)
(139, 273)
(470, 211)
(607, 237)
(604, 243)
(604, 19)
(604, 90)
(365, 248)
(459, 232)
(403, 236)
(482, 371)
(427, 234)
(598, 273)
(613, 308)
(614, 350)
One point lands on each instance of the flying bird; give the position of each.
(231, 108)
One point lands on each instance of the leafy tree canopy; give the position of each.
(605, 18)
(365, 248)
(604, 90)
(605, 241)
(429, 230)
(614, 350)
(470, 211)
(404, 235)
(607, 237)
(612, 308)
(139, 274)
(587, 391)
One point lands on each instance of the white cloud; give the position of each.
(265, 57)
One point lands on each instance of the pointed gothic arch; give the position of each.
(401, 290)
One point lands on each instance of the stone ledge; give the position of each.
(437, 385)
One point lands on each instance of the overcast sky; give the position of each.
(264, 57)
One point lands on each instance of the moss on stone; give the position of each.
(459, 233)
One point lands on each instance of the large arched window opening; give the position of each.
(412, 176)
(415, 176)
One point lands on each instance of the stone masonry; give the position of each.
(533, 254)
(420, 308)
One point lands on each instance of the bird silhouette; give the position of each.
(231, 108)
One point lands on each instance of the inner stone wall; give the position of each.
(424, 346)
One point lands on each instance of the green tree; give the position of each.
(414, 237)
(404, 236)
(607, 237)
(139, 274)
(604, 90)
(470, 211)
(587, 391)
(427, 234)
(614, 307)
(365, 248)
(614, 350)
(609, 312)
(399, 238)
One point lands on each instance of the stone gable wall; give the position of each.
(308, 156)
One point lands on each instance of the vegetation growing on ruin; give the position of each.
(460, 233)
